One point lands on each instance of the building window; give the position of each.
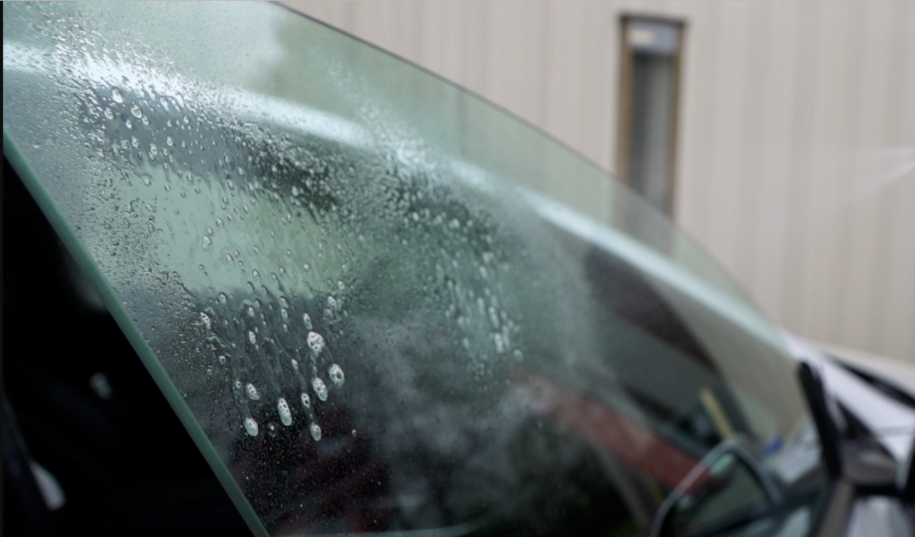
(650, 74)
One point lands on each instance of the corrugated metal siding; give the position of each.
(797, 128)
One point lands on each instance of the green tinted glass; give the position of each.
(358, 287)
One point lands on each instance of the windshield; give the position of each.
(360, 288)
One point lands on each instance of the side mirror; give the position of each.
(726, 489)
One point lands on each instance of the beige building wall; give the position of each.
(796, 158)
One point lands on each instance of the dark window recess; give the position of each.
(650, 74)
(87, 410)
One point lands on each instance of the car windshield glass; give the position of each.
(362, 290)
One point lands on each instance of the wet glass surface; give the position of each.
(326, 259)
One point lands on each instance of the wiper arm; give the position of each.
(826, 428)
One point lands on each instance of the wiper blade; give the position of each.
(829, 434)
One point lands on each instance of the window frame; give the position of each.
(626, 92)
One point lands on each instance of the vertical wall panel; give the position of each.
(863, 214)
(729, 119)
(773, 152)
(443, 39)
(696, 131)
(796, 158)
(816, 173)
(749, 210)
(563, 116)
(836, 113)
(600, 98)
(897, 298)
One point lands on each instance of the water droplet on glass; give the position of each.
(229, 258)
(499, 343)
(284, 313)
(207, 242)
(315, 342)
(493, 317)
(219, 222)
(354, 433)
(117, 96)
(331, 302)
(272, 429)
(517, 355)
(307, 320)
(169, 141)
(222, 359)
(285, 414)
(251, 426)
(255, 273)
(109, 114)
(251, 392)
(320, 388)
(336, 375)
(135, 110)
(315, 431)
(306, 401)
(147, 181)
(252, 338)
(206, 320)
(307, 267)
